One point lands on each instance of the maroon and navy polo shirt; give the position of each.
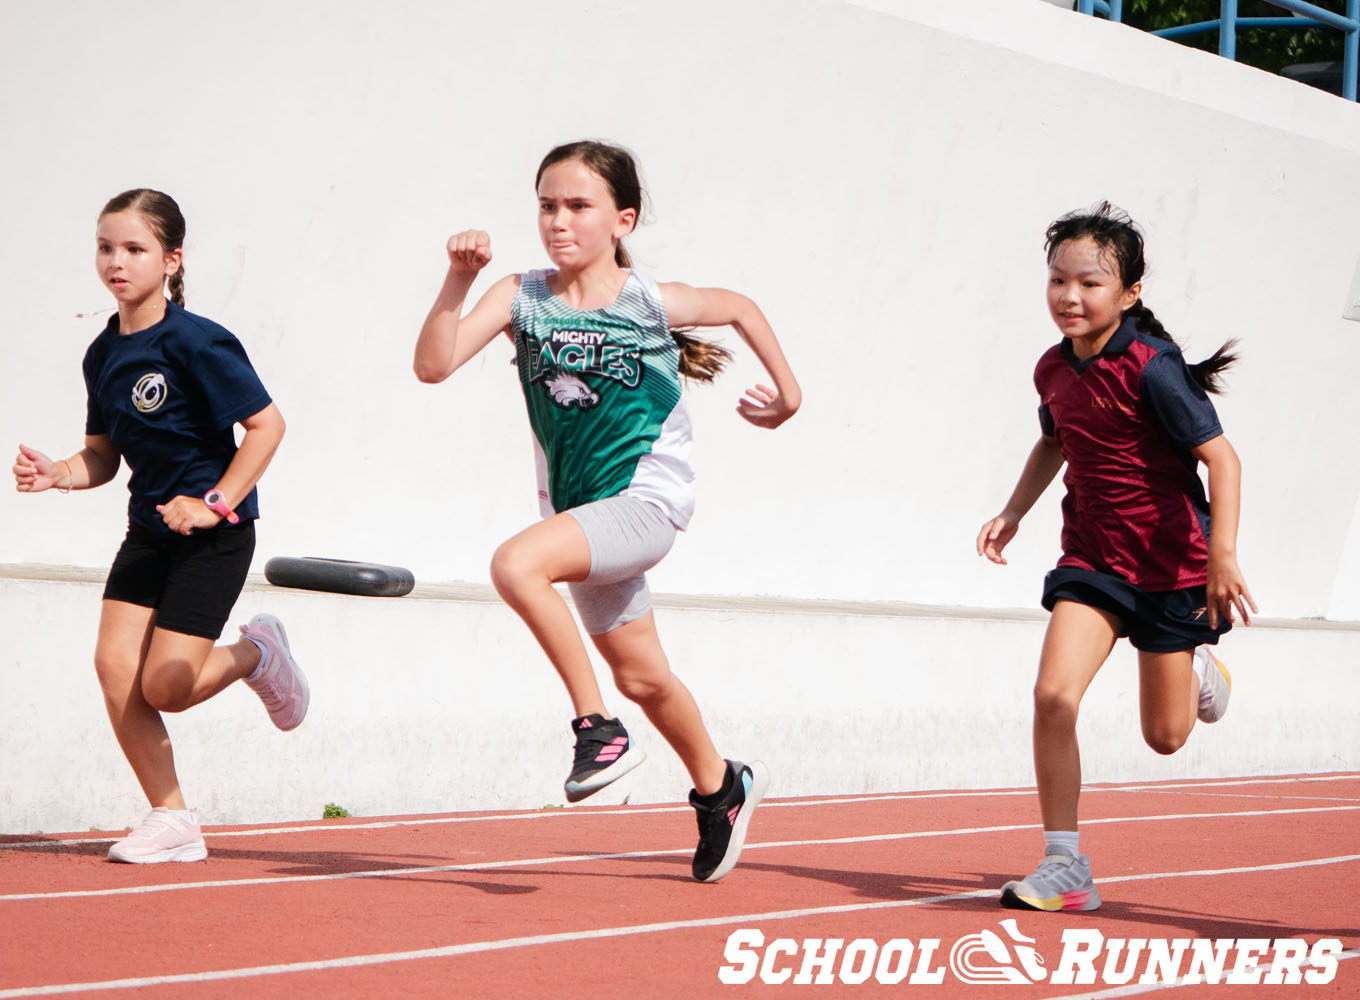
(1126, 420)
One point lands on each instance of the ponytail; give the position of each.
(1207, 373)
(700, 360)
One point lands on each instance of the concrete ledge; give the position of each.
(442, 701)
(480, 593)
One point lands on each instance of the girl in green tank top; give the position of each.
(600, 362)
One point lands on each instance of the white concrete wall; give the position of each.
(440, 702)
(879, 180)
(877, 175)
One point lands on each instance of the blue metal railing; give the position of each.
(1227, 23)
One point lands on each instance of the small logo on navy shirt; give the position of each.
(149, 393)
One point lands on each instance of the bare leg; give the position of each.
(1168, 698)
(642, 674)
(124, 635)
(524, 570)
(180, 671)
(144, 670)
(1078, 640)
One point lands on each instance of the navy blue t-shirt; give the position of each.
(168, 397)
(1126, 421)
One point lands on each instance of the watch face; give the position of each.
(213, 498)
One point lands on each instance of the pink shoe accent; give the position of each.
(611, 751)
(1076, 900)
(586, 723)
(732, 814)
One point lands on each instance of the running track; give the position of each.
(597, 902)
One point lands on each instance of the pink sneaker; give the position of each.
(277, 680)
(162, 836)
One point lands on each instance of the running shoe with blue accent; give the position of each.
(604, 753)
(1061, 882)
(724, 822)
(1215, 688)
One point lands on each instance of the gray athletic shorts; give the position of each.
(627, 537)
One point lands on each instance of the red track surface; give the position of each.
(596, 902)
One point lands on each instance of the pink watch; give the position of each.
(218, 504)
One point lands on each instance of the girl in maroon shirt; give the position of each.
(1131, 421)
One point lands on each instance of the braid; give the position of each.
(1147, 322)
(176, 284)
(1207, 373)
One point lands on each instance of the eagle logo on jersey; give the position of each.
(149, 393)
(568, 391)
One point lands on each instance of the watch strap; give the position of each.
(217, 503)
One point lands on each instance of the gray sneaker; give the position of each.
(1061, 882)
(1215, 688)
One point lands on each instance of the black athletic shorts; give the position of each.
(192, 581)
(1158, 621)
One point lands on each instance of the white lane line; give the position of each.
(577, 858)
(683, 808)
(512, 817)
(1134, 989)
(1270, 796)
(502, 944)
(1223, 783)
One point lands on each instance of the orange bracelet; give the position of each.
(70, 478)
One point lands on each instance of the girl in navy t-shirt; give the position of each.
(165, 389)
(1131, 421)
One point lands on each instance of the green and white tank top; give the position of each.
(605, 402)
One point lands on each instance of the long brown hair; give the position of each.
(700, 360)
(165, 221)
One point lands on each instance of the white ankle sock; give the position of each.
(264, 655)
(185, 814)
(1060, 838)
(1198, 660)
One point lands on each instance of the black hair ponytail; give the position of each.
(1115, 233)
(1208, 374)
